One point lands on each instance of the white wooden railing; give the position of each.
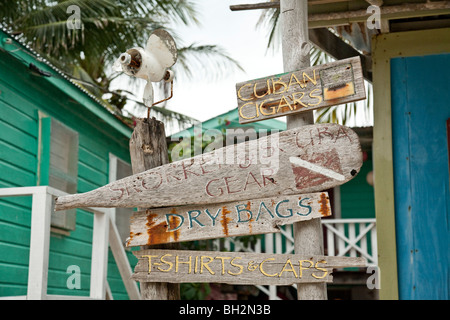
(104, 234)
(342, 237)
(352, 237)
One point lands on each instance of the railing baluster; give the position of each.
(363, 242)
(278, 243)
(373, 241)
(330, 243)
(341, 242)
(351, 237)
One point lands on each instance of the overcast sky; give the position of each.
(203, 97)
(235, 31)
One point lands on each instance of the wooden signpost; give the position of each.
(300, 91)
(178, 266)
(303, 160)
(201, 222)
(250, 188)
(148, 149)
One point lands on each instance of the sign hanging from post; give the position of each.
(302, 160)
(201, 222)
(299, 91)
(180, 266)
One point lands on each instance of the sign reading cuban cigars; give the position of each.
(302, 160)
(201, 222)
(178, 266)
(312, 88)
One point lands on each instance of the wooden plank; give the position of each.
(331, 18)
(299, 91)
(308, 238)
(200, 222)
(302, 160)
(253, 6)
(276, 4)
(148, 149)
(179, 266)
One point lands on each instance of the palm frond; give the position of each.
(269, 21)
(108, 28)
(210, 61)
(343, 114)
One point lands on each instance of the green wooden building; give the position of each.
(404, 53)
(54, 133)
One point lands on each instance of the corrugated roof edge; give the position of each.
(121, 126)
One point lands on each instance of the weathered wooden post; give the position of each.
(148, 149)
(214, 199)
(205, 197)
(308, 238)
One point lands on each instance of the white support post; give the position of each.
(99, 263)
(39, 244)
(40, 247)
(122, 262)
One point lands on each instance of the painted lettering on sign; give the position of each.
(274, 91)
(256, 216)
(316, 87)
(307, 159)
(236, 267)
(231, 265)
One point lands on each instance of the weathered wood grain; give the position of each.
(178, 266)
(201, 222)
(148, 149)
(304, 90)
(308, 237)
(302, 160)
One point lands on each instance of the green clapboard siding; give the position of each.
(357, 197)
(22, 97)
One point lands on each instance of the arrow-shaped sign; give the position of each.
(230, 219)
(302, 160)
(316, 87)
(178, 266)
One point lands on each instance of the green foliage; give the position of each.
(194, 291)
(248, 241)
(107, 29)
